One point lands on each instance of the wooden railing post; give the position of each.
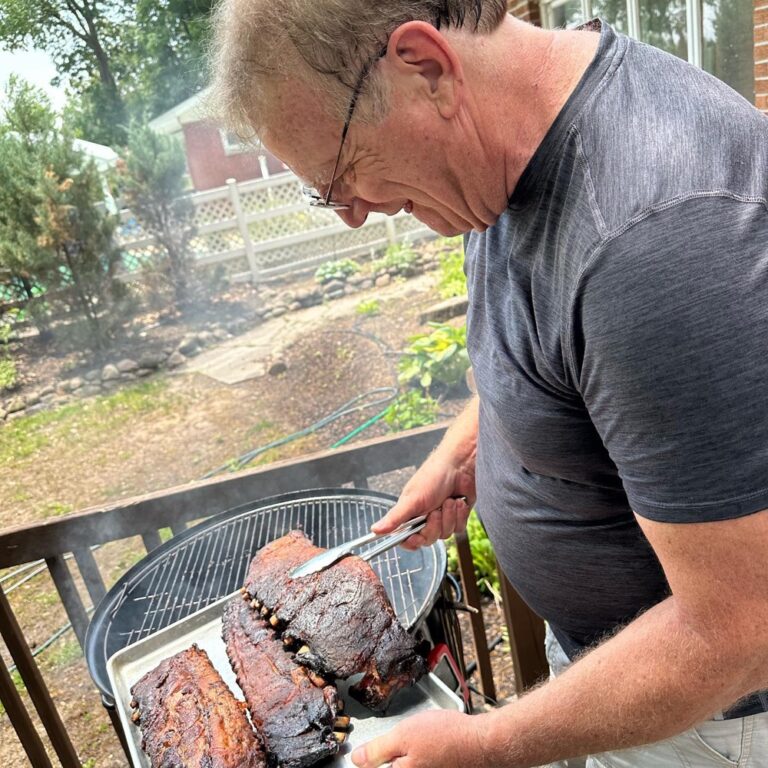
(38, 692)
(526, 638)
(21, 721)
(472, 599)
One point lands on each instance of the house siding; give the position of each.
(528, 10)
(210, 166)
(761, 55)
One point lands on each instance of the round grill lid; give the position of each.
(209, 561)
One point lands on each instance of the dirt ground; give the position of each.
(181, 427)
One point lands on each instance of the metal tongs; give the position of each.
(330, 556)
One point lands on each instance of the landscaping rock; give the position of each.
(287, 298)
(93, 375)
(383, 280)
(356, 279)
(33, 409)
(295, 306)
(238, 325)
(350, 289)
(333, 285)
(48, 390)
(220, 334)
(127, 366)
(176, 359)
(205, 338)
(445, 310)
(367, 284)
(278, 367)
(89, 390)
(16, 405)
(48, 399)
(334, 295)
(110, 373)
(142, 372)
(15, 415)
(188, 345)
(152, 359)
(75, 384)
(33, 398)
(279, 311)
(3, 414)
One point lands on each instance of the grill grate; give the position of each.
(211, 560)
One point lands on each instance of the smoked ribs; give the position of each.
(294, 717)
(341, 616)
(189, 717)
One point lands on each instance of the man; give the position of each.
(614, 202)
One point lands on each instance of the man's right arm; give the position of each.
(447, 474)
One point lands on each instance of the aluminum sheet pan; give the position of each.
(128, 665)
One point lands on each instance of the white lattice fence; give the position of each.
(267, 224)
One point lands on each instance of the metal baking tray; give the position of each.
(128, 665)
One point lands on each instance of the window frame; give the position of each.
(693, 16)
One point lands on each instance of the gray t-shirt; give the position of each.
(618, 330)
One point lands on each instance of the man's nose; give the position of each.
(357, 213)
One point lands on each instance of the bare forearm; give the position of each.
(654, 679)
(460, 440)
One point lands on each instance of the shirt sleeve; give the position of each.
(669, 348)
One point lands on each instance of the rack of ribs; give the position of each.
(341, 617)
(293, 716)
(188, 716)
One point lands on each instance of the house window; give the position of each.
(716, 35)
(233, 145)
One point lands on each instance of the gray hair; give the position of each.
(328, 44)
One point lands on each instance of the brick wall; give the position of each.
(528, 10)
(761, 55)
(210, 166)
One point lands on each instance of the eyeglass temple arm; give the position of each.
(350, 112)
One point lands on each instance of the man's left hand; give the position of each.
(427, 740)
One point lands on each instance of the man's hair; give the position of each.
(327, 44)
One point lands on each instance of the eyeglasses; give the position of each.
(313, 197)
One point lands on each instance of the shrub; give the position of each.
(368, 307)
(336, 270)
(439, 357)
(453, 281)
(411, 409)
(482, 555)
(8, 372)
(400, 257)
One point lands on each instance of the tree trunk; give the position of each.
(87, 307)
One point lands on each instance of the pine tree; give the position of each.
(154, 176)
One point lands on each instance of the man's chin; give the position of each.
(442, 226)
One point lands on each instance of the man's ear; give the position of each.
(421, 54)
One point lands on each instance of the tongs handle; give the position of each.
(397, 536)
(330, 556)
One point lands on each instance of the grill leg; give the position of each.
(118, 726)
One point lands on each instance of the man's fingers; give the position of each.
(385, 749)
(406, 509)
(450, 508)
(462, 516)
(434, 527)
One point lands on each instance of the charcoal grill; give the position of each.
(208, 562)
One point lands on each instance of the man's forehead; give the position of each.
(299, 130)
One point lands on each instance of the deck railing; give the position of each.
(53, 540)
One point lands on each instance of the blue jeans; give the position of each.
(738, 743)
